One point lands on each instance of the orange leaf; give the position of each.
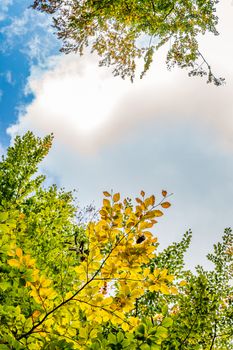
(138, 200)
(166, 205)
(142, 193)
(116, 197)
(106, 203)
(164, 193)
(19, 252)
(152, 198)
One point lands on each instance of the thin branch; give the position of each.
(214, 336)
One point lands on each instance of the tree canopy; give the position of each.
(123, 32)
(100, 283)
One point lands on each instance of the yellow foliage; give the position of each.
(109, 280)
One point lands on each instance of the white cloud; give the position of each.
(9, 77)
(32, 33)
(73, 99)
(4, 5)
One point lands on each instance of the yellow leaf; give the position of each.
(142, 193)
(144, 225)
(128, 211)
(106, 203)
(157, 213)
(44, 282)
(19, 252)
(83, 332)
(103, 213)
(154, 288)
(146, 272)
(106, 194)
(166, 205)
(14, 263)
(125, 326)
(173, 290)
(163, 273)
(147, 202)
(182, 283)
(170, 278)
(164, 289)
(116, 197)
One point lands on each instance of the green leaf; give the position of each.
(112, 339)
(4, 347)
(3, 216)
(141, 329)
(5, 285)
(155, 347)
(167, 322)
(161, 332)
(145, 347)
(120, 337)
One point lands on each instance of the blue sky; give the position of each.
(166, 131)
(18, 29)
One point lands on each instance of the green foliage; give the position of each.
(18, 167)
(97, 284)
(124, 31)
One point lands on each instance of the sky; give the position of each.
(166, 131)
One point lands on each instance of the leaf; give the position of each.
(152, 199)
(164, 289)
(4, 228)
(83, 332)
(155, 347)
(173, 290)
(162, 332)
(142, 193)
(182, 283)
(125, 328)
(116, 197)
(138, 200)
(4, 347)
(112, 339)
(3, 216)
(106, 194)
(166, 205)
(14, 263)
(106, 203)
(167, 322)
(19, 252)
(144, 225)
(120, 337)
(157, 213)
(141, 328)
(4, 286)
(145, 347)
(164, 193)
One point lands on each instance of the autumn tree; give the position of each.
(123, 32)
(100, 283)
(62, 283)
